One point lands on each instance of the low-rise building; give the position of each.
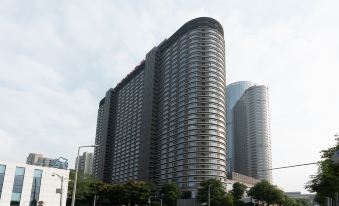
(25, 185)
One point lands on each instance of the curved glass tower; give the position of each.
(250, 130)
(233, 93)
(192, 105)
(165, 121)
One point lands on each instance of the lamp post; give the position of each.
(149, 200)
(62, 185)
(76, 172)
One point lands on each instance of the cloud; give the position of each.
(57, 59)
(7, 143)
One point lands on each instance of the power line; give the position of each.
(277, 168)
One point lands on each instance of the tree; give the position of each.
(86, 188)
(295, 202)
(302, 202)
(264, 191)
(114, 194)
(170, 193)
(326, 182)
(228, 200)
(239, 203)
(238, 190)
(217, 192)
(138, 192)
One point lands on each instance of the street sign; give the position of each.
(58, 190)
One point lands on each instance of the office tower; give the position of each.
(39, 160)
(252, 136)
(85, 163)
(165, 121)
(233, 93)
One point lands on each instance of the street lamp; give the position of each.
(149, 200)
(62, 185)
(209, 194)
(76, 172)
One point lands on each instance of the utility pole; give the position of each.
(95, 200)
(209, 195)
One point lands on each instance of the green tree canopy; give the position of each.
(295, 202)
(86, 185)
(238, 190)
(326, 182)
(170, 193)
(138, 192)
(217, 192)
(228, 200)
(133, 192)
(264, 191)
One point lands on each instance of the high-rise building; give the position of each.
(250, 127)
(85, 163)
(34, 159)
(233, 93)
(165, 121)
(39, 160)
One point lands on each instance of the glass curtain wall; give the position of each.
(17, 186)
(36, 187)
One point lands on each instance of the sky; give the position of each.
(58, 58)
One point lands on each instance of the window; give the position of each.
(2, 175)
(17, 186)
(36, 187)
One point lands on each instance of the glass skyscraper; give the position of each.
(165, 121)
(233, 93)
(249, 129)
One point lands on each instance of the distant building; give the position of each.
(34, 159)
(86, 163)
(39, 160)
(47, 162)
(22, 184)
(249, 130)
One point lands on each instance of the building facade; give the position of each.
(25, 185)
(39, 160)
(165, 121)
(252, 135)
(85, 163)
(34, 159)
(233, 93)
